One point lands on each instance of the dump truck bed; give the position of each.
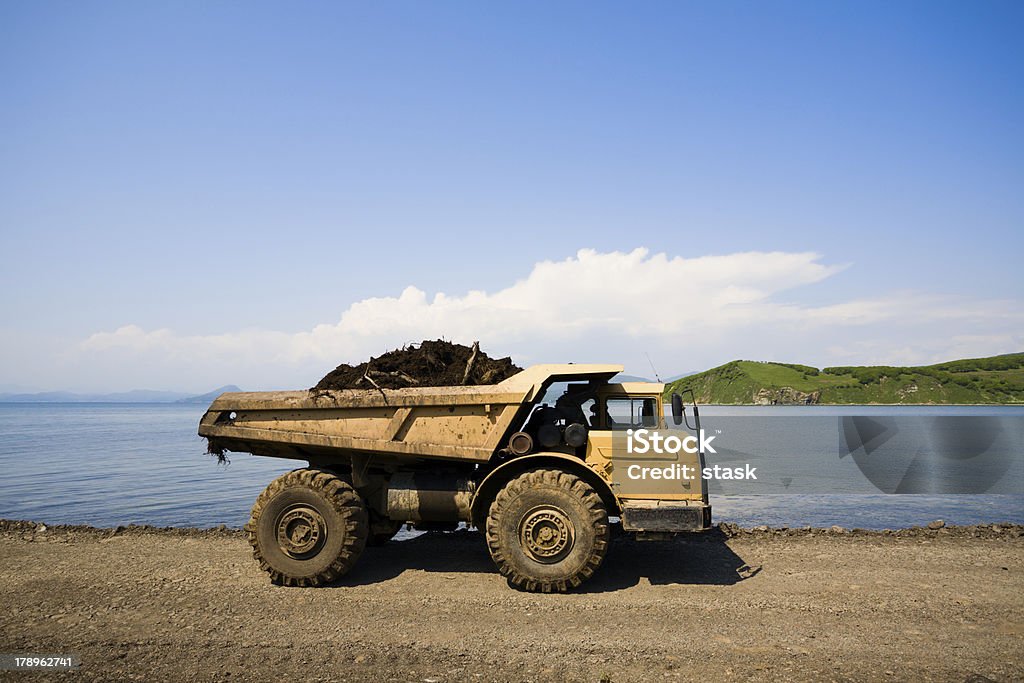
(465, 423)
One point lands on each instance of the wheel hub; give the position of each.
(546, 534)
(301, 532)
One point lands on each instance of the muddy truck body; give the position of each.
(538, 478)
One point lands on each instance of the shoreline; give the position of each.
(205, 406)
(866, 405)
(937, 528)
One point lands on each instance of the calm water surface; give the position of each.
(111, 464)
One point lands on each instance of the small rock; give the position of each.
(937, 524)
(836, 529)
(762, 528)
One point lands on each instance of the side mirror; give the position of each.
(677, 409)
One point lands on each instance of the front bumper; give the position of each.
(666, 516)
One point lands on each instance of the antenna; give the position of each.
(652, 367)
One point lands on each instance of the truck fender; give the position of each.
(488, 489)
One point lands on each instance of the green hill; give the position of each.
(999, 379)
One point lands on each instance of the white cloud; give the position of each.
(687, 313)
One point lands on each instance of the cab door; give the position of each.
(607, 453)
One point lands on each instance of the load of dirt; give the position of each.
(436, 363)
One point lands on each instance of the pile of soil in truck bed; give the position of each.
(429, 364)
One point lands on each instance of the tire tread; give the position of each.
(570, 484)
(342, 497)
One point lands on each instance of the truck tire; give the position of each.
(307, 528)
(547, 530)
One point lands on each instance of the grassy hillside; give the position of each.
(999, 379)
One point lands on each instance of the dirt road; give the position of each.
(186, 605)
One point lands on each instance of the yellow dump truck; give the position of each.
(540, 477)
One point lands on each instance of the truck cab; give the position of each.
(608, 412)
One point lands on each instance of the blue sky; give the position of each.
(221, 178)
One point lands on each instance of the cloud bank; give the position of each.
(685, 313)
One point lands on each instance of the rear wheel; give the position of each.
(307, 528)
(547, 531)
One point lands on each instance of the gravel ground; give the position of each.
(168, 605)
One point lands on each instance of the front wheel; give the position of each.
(547, 531)
(307, 528)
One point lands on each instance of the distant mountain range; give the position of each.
(994, 380)
(209, 396)
(135, 396)
(151, 396)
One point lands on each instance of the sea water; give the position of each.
(118, 464)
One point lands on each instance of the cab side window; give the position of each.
(632, 413)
